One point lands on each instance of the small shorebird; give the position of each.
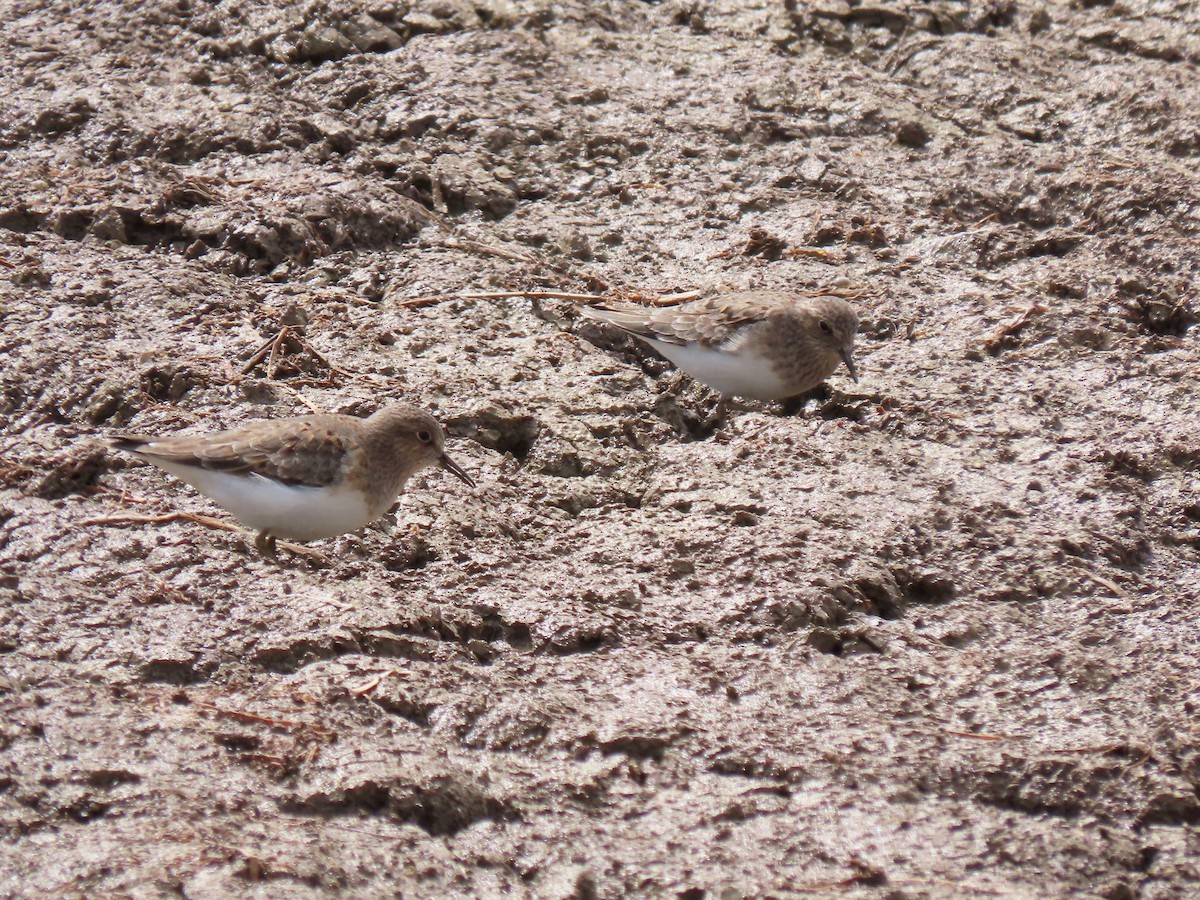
(765, 345)
(303, 478)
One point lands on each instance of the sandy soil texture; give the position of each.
(930, 635)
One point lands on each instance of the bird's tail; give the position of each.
(132, 443)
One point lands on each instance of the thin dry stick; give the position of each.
(479, 247)
(500, 295)
(300, 397)
(259, 354)
(276, 345)
(373, 683)
(820, 252)
(272, 348)
(206, 521)
(1116, 589)
(307, 345)
(266, 720)
(1013, 325)
(980, 736)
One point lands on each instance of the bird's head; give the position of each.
(417, 437)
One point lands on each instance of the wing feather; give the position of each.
(709, 322)
(296, 451)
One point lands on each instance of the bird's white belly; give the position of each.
(293, 512)
(743, 375)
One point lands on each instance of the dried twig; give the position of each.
(373, 683)
(265, 720)
(259, 354)
(819, 252)
(1011, 327)
(501, 295)
(273, 348)
(273, 360)
(980, 736)
(480, 247)
(1116, 589)
(313, 408)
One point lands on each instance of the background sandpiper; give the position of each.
(764, 345)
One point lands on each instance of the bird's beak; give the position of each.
(848, 359)
(448, 463)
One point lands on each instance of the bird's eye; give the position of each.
(424, 437)
(824, 326)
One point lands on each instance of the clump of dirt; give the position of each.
(931, 634)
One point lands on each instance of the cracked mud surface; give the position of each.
(932, 635)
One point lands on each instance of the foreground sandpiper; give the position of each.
(764, 345)
(303, 478)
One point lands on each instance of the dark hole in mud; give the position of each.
(1054, 245)
(448, 809)
(794, 406)
(86, 809)
(1126, 462)
(21, 220)
(109, 778)
(1161, 310)
(508, 434)
(72, 224)
(1164, 317)
(929, 589)
(370, 797)
(1172, 810)
(166, 383)
(302, 651)
(825, 641)
(884, 603)
(688, 424)
(487, 629)
(696, 429)
(149, 234)
(640, 747)
(239, 743)
(71, 473)
(443, 806)
(405, 708)
(415, 555)
(840, 406)
(582, 643)
(519, 636)
(171, 671)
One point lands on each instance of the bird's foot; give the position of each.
(265, 545)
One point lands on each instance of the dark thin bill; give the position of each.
(849, 361)
(448, 463)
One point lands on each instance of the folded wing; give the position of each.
(292, 454)
(709, 322)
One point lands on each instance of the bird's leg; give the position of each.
(265, 544)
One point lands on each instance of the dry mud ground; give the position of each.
(932, 635)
